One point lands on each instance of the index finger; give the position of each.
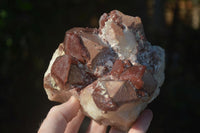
(142, 123)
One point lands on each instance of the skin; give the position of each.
(67, 118)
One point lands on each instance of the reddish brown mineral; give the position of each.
(113, 71)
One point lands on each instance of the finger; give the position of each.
(59, 116)
(74, 125)
(94, 127)
(142, 123)
(114, 130)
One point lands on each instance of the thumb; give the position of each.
(58, 117)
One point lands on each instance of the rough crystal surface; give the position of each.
(113, 70)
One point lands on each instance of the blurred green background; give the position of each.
(30, 31)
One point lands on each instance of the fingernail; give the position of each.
(73, 99)
(148, 114)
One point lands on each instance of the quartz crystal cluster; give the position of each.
(113, 70)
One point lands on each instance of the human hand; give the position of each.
(66, 118)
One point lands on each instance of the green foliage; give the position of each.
(3, 15)
(24, 5)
